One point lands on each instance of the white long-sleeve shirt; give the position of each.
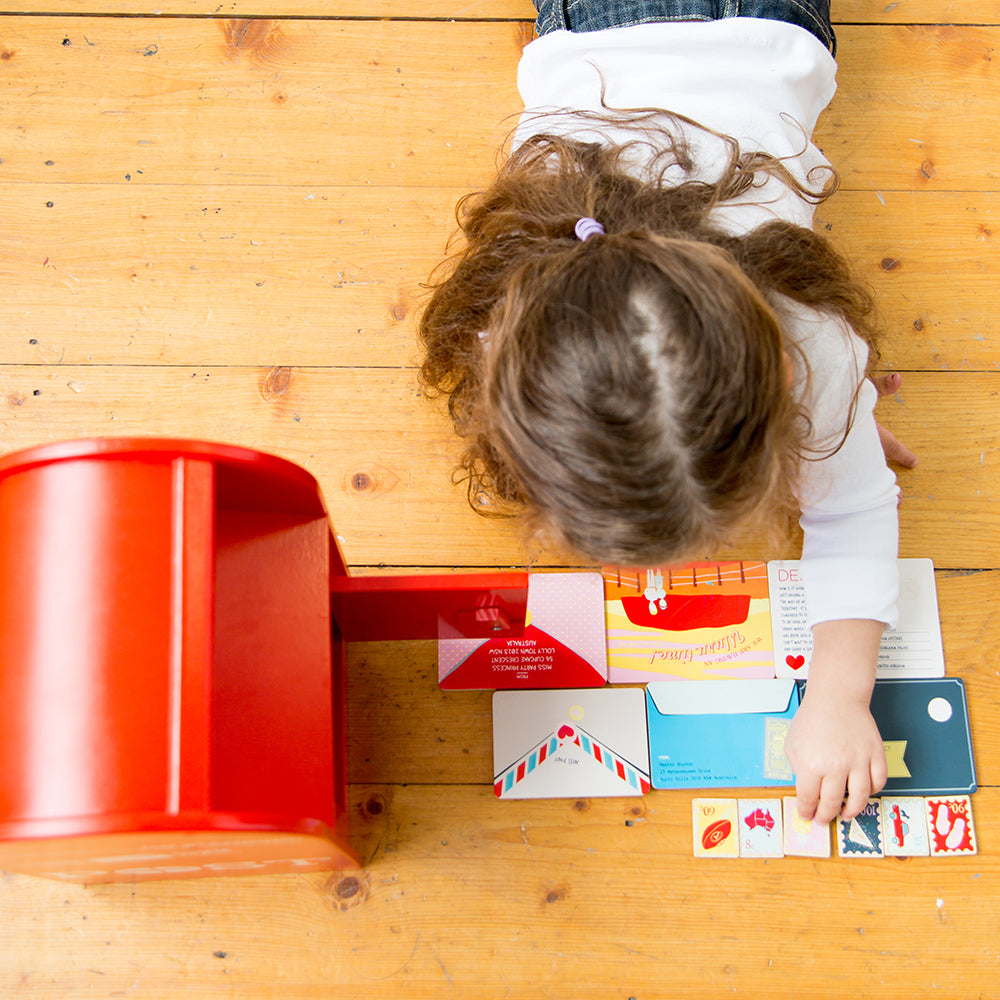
(763, 83)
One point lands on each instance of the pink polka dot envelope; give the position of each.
(563, 644)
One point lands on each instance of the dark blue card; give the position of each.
(931, 718)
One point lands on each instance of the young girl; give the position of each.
(647, 348)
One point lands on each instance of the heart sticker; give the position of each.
(566, 732)
(795, 662)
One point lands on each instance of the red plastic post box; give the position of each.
(172, 621)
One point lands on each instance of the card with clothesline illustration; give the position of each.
(706, 620)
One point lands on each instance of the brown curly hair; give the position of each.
(629, 395)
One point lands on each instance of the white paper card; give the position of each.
(911, 649)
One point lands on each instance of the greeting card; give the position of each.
(911, 649)
(706, 620)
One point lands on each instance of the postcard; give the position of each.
(925, 726)
(863, 836)
(949, 826)
(804, 838)
(904, 822)
(715, 826)
(761, 828)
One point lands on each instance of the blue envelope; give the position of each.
(720, 734)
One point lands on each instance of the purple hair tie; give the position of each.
(587, 227)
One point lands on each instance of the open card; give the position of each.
(911, 649)
(706, 620)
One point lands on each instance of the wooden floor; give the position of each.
(215, 224)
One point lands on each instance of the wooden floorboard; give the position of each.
(469, 897)
(215, 219)
(843, 11)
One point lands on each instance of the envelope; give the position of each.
(562, 646)
(730, 733)
(569, 744)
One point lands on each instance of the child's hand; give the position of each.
(833, 743)
(833, 746)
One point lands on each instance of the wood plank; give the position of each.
(341, 422)
(200, 101)
(403, 729)
(195, 275)
(296, 103)
(914, 12)
(186, 274)
(843, 11)
(908, 129)
(931, 261)
(552, 899)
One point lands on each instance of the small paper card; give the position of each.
(949, 825)
(862, 836)
(706, 620)
(804, 838)
(761, 828)
(562, 645)
(716, 833)
(904, 826)
(911, 649)
(569, 744)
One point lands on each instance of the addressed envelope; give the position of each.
(705, 734)
(562, 646)
(569, 744)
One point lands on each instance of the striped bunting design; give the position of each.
(618, 766)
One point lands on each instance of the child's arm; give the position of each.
(833, 743)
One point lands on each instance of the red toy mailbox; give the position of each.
(172, 620)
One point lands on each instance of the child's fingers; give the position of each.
(806, 797)
(831, 800)
(819, 798)
(894, 449)
(879, 773)
(859, 790)
(888, 384)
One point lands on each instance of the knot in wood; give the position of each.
(275, 383)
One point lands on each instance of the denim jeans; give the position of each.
(593, 15)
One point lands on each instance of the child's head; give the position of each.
(628, 393)
(635, 389)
